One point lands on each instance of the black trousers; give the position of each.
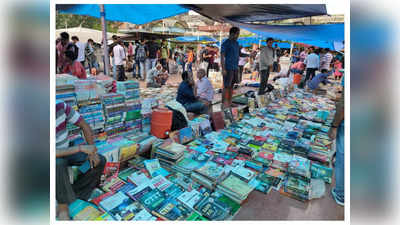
(240, 74)
(264, 75)
(164, 64)
(121, 73)
(310, 73)
(82, 188)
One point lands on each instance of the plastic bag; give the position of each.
(317, 188)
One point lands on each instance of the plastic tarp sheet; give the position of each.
(245, 13)
(133, 13)
(326, 32)
(194, 39)
(249, 41)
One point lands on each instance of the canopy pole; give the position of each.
(291, 49)
(220, 39)
(105, 47)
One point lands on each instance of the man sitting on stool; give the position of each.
(204, 90)
(153, 77)
(186, 95)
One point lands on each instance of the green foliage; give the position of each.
(69, 20)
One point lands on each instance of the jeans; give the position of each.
(150, 64)
(339, 164)
(264, 81)
(82, 188)
(121, 73)
(142, 68)
(196, 107)
(190, 67)
(114, 69)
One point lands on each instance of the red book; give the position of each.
(97, 200)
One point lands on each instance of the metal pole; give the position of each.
(291, 49)
(105, 47)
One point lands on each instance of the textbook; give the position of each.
(190, 198)
(118, 206)
(171, 209)
(152, 200)
(113, 184)
(212, 209)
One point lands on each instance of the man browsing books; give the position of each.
(66, 156)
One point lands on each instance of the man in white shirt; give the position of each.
(152, 75)
(81, 50)
(312, 64)
(242, 62)
(267, 56)
(204, 89)
(119, 58)
(326, 60)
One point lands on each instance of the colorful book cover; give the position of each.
(152, 165)
(95, 193)
(196, 217)
(105, 217)
(212, 209)
(127, 187)
(139, 191)
(126, 173)
(128, 151)
(100, 198)
(236, 185)
(113, 184)
(160, 182)
(111, 169)
(244, 173)
(138, 178)
(190, 198)
(211, 170)
(321, 172)
(152, 200)
(173, 191)
(117, 206)
(185, 135)
(171, 209)
(234, 206)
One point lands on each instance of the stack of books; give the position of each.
(297, 188)
(242, 173)
(169, 153)
(235, 188)
(300, 166)
(212, 209)
(281, 161)
(114, 107)
(132, 117)
(209, 174)
(92, 113)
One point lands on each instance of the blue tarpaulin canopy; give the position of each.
(133, 13)
(249, 41)
(193, 39)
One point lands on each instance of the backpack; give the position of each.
(141, 53)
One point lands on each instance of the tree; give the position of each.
(70, 20)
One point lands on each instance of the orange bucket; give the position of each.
(297, 78)
(161, 122)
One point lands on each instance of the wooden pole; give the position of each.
(105, 47)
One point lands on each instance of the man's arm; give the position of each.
(87, 131)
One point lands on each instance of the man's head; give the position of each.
(64, 38)
(234, 33)
(163, 41)
(158, 67)
(115, 38)
(74, 39)
(141, 41)
(69, 55)
(327, 50)
(201, 73)
(90, 41)
(270, 41)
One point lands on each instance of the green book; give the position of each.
(236, 185)
(196, 217)
(234, 205)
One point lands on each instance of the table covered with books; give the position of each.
(200, 173)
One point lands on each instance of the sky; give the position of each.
(336, 7)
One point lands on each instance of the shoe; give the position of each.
(336, 198)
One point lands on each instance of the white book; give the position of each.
(243, 172)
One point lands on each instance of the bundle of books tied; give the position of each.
(169, 153)
(209, 175)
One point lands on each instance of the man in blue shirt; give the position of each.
(295, 56)
(230, 66)
(312, 64)
(321, 78)
(187, 97)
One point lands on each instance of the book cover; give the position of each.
(88, 213)
(211, 170)
(127, 188)
(117, 206)
(128, 151)
(95, 193)
(152, 165)
(100, 198)
(171, 209)
(185, 135)
(113, 184)
(212, 209)
(190, 198)
(138, 178)
(105, 217)
(234, 206)
(111, 170)
(236, 185)
(244, 173)
(160, 182)
(321, 172)
(153, 199)
(173, 191)
(138, 192)
(196, 217)
(124, 174)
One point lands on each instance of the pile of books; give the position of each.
(114, 107)
(235, 188)
(130, 90)
(209, 175)
(300, 166)
(169, 153)
(92, 113)
(297, 188)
